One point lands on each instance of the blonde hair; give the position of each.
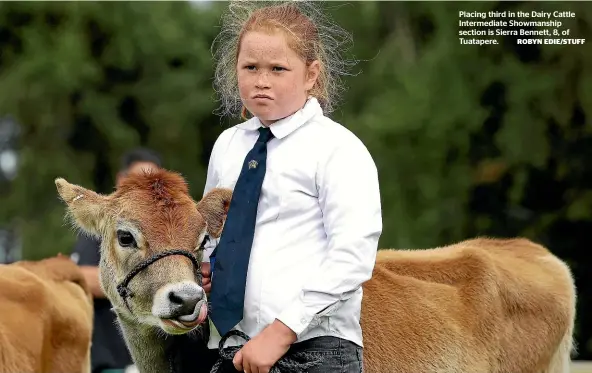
(310, 34)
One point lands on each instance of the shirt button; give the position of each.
(303, 320)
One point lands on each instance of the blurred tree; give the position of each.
(86, 81)
(476, 140)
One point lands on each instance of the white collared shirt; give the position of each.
(317, 228)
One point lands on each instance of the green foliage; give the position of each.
(88, 81)
(423, 102)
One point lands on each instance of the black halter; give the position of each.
(126, 293)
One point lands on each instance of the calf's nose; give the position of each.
(183, 300)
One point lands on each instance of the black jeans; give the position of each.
(337, 356)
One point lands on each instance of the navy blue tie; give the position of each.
(230, 259)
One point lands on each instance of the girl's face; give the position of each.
(273, 80)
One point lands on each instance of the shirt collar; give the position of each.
(286, 126)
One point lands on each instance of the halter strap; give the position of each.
(125, 292)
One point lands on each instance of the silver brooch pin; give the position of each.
(253, 164)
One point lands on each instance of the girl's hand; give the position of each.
(260, 353)
(206, 282)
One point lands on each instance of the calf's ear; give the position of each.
(86, 209)
(214, 209)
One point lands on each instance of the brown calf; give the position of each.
(479, 306)
(46, 321)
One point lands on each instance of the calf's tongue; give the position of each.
(197, 317)
(203, 313)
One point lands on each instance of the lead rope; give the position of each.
(125, 292)
(295, 362)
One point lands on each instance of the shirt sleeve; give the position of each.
(212, 174)
(349, 198)
(212, 181)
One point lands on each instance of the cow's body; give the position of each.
(480, 306)
(46, 318)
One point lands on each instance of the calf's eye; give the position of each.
(125, 239)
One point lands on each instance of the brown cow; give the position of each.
(480, 306)
(46, 321)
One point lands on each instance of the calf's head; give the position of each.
(149, 214)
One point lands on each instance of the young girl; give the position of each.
(302, 230)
